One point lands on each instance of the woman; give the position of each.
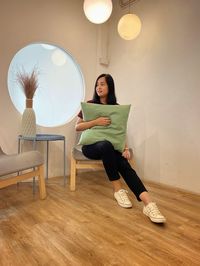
(116, 163)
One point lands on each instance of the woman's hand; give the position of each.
(103, 121)
(126, 154)
(100, 121)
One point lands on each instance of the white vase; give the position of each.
(28, 124)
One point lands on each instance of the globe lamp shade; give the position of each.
(97, 11)
(129, 26)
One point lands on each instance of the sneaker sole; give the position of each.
(154, 220)
(124, 206)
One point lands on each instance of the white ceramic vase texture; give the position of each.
(28, 123)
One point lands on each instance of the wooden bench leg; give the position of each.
(73, 174)
(41, 182)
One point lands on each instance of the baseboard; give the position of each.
(167, 186)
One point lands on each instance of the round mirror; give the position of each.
(61, 83)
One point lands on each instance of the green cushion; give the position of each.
(115, 132)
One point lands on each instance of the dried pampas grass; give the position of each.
(28, 82)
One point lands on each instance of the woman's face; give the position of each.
(102, 87)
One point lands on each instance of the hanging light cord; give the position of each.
(126, 3)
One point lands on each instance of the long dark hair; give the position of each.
(111, 99)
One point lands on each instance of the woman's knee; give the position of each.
(106, 146)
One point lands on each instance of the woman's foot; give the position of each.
(122, 198)
(151, 210)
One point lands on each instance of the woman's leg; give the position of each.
(131, 178)
(104, 150)
(114, 162)
(145, 198)
(135, 184)
(116, 185)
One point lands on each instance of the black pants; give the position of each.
(115, 164)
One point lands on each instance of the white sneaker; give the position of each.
(122, 198)
(152, 211)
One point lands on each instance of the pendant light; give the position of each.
(97, 11)
(129, 26)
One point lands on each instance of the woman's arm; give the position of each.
(83, 125)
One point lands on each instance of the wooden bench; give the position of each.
(31, 161)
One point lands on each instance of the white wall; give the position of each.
(59, 22)
(158, 73)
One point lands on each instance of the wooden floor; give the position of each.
(87, 227)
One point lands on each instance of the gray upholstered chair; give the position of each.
(31, 161)
(79, 161)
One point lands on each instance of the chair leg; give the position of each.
(73, 174)
(41, 182)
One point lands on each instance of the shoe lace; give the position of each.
(123, 194)
(154, 209)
